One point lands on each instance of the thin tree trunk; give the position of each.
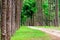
(21, 2)
(3, 20)
(32, 20)
(17, 14)
(40, 14)
(49, 2)
(13, 18)
(8, 21)
(56, 23)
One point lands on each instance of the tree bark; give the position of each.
(32, 21)
(49, 3)
(17, 14)
(40, 14)
(13, 18)
(3, 20)
(8, 19)
(56, 22)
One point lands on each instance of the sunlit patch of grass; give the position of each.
(25, 33)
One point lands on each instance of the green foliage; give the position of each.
(28, 9)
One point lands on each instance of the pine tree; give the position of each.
(3, 20)
(17, 14)
(56, 22)
(13, 18)
(8, 19)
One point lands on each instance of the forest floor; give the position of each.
(36, 33)
(53, 32)
(25, 33)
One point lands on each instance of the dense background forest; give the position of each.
(40, 13)
(43, 13)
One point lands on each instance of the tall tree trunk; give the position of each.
(21, 3)
(13, 18)
(3, 20)
(32, 20)
(49, 3)
(40, 14)
(36, 14)
(17, 14)
(56, 23)
(8, 19)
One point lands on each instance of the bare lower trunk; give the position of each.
(56, 23)
(40, 14)
(8, 21)
(49, 2)
(13, 18)
(3, 20)
(17, 13)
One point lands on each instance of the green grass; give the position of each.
(25, 33)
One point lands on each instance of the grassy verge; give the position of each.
(50, 27)
(25, 33)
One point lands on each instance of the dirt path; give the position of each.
(54, 37)
(54, 34)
